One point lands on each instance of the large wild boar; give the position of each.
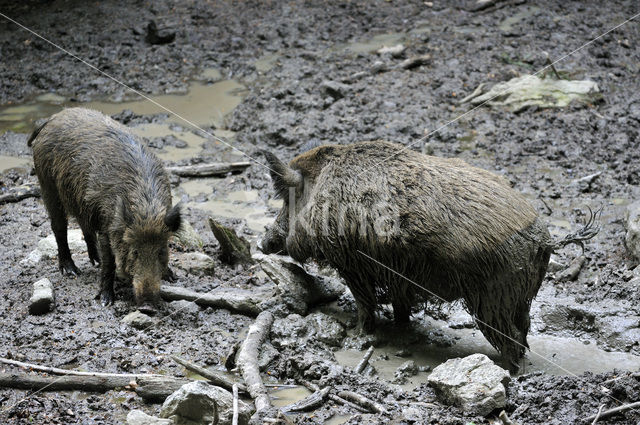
(94, 169)
(405, 228)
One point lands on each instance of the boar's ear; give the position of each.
(282, 175)
(173, 219)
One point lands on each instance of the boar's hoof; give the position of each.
(95, 261)
(147, 309)
(106, 297)
(169, 275)
(68, 268)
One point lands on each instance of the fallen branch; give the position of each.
(573, 270)
(629, 375)
(505, 419)
(234, 419)
(18, 193)
(598, 414)
(234, 249)
(365, 361)
(216, 378)
(362, 401)
(151, 388)
(615, 410)
(209, 170)
(237, 300)
(311, 402)
(248, 360)
(313, 387)
(57, 371)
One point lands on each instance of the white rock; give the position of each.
(42, 299)
(195, 263)
(474, 383)
(632, 238)
(49, 248)
(32, 259)
(138, 320)
(198, 401)
(138, 417)
(396, 50)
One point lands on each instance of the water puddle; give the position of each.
(20, 118)
(549, 354)
(337, 419)
(286, 396)
(266, 62)
(9, 162)
(508, 23)
(172, 153)
(204, 104)
(372, 44)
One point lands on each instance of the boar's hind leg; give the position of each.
(366, 303)
(108, 270)
(59, 223)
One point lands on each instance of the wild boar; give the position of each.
(405, 228)
(94, 169)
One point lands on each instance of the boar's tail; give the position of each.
(588, 231)
(36, 132)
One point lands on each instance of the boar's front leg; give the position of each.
(108, 270)
(366, 303)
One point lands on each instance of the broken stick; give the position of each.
(57, 371)
(216, 378)
(18, 193)
(313, 387)
(311, 402)
(237, 300)
(248, 360)
(152, 388)
(365, 361)
(362, 401)
(615, 410)
(234, 419)
(209, 170)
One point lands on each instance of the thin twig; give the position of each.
(234, 419)
(57, 371)
(365, 361)
(598, 414)
(615, 410)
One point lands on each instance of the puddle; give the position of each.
(236, 204)
(372, 44)
(172, 153)
(508, 23)
(266, 62)
(286, 396)
(204, 104)
(549, 354)
(337, 419)
(9, 162)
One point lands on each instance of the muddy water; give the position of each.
(372, 44)
(285, 396)
(204, 104)
(9, 162)
(549, 354)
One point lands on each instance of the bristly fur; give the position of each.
(93, 168)
(283, 177)
(462, 233)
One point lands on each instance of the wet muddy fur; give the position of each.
(461, 233)
(92, 168)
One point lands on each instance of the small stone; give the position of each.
(184, 308)
(334, 89)
(49, 248)
(394, 51)
(632, 237)
(32, 259)
(474, 383)
(415, 62)
(404, 371)
(199, 401)
(195, 263)
(187, 237)
(138, 320)
(138, 417)
(403, 353)
(326, 329)
(42, 300)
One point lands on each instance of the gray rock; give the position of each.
(187, 237)
(334, 89)
(32, 259)
(196, 263)
(138, 417)
(42, 300)
(138, 320)
(325, 329)
(394, 51)
(267, 354)
(184, 308)
(198, 402)
(404, 371)
(632, 237)
(474, 383)
(49, 248)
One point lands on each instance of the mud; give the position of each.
(251, 74)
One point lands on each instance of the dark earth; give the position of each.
(318, 90)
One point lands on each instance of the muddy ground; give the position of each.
(278, 55)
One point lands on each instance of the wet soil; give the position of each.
(284, 75)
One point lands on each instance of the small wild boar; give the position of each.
(405, 228)
(94, 169)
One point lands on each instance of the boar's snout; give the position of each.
(147, 294)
